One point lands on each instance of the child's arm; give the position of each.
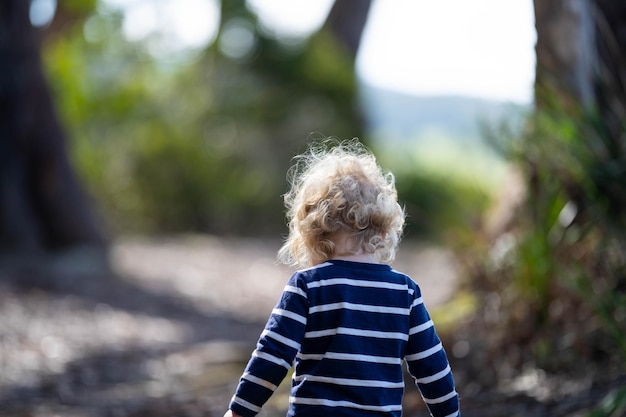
(275, 351)
(231, 413)
(428, 363)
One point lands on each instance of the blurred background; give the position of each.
(143, 158)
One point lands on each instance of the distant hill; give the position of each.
(397, 116)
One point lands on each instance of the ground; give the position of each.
(161, 327)
(164, 328)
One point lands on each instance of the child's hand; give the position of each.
(231, 413)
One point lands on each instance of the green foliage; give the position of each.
(613, 405)
(439, 208)
(444, 193)
(83, 6)
(220, 201)
(561, 278)
(571, 168)
(198, 145)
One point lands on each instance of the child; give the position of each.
(348, 320)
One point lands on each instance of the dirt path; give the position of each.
(165, 332)
(241, 278)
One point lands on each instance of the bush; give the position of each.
(557, 274)
(196, 146)
(444, 186)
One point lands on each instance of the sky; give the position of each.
(481, 48)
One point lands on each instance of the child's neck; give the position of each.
(357, 257)
(344, 250)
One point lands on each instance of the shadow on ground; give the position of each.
(86, 336)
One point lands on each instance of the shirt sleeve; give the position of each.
(275, 351)
(427, 362)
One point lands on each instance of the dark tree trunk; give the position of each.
(610, 86)
(42, 205)
(566, 55)
(581, 51)
(346, 21)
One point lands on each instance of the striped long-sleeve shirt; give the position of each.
(349, 326)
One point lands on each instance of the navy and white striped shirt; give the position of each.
(349, 326)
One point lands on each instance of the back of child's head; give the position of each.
(338, 189)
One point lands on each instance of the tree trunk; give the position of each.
(346, 21)
(610, 86)
(581, 51)
(42, 205)
(565, 49)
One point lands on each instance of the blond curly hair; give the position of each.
(339, 188)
